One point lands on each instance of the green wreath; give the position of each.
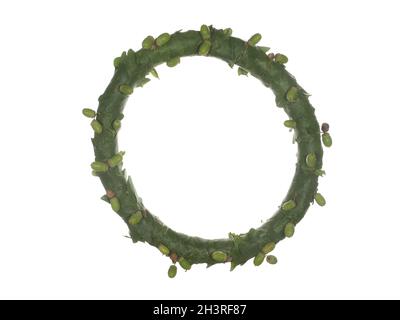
(131, 69)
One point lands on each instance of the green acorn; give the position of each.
(258, 259)
(254, 39)
(89, 113)
(288, 205)
(173, 62)
(135, 218)
(290, 124)
(125, 89)
(172, 271)
(281, 58)
(311, 160)
(292, 94)
(327, 139)
(184, 263)
(96, 126)
(264, 49)
(219, 256)
(99, 166)
(142, 82)
(269, 247)
(116, 124)
(116, 159)
(162, 39)
(205, 32)
(163, 249)
(205, 48)
(289, 230)
(115, 205)
(148, 42)
(319, 199)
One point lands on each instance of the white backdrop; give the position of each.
(206, 149)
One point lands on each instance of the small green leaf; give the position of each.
(320, 172)
(264, 49)
(233, 265)
(154, 73)
(142, 82)
(242, 72)
(289, 230)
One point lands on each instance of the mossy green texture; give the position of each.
(130, 71)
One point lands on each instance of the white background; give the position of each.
(206, 149)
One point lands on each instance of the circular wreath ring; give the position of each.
(131, 69)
